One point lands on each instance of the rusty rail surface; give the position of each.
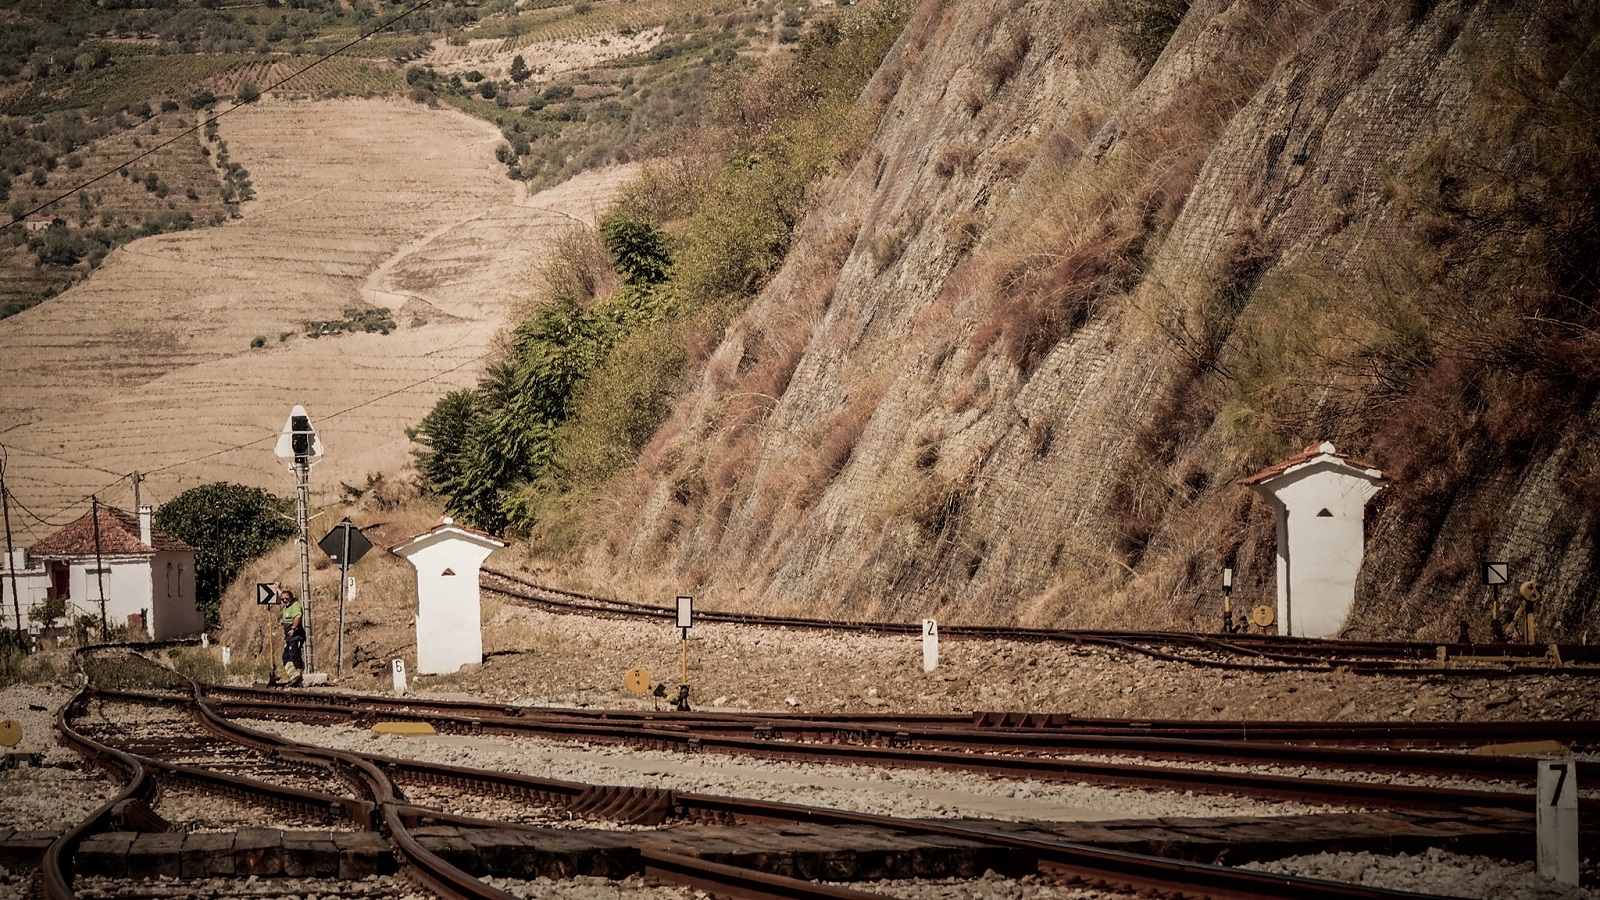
(1082, 862)
(1091, 864)
(1285, 654)
(690, 739)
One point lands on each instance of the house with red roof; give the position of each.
(121, 563)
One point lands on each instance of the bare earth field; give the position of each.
(147, 366)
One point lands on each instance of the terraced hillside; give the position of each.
(149, 365)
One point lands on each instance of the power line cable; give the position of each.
(63, 459)
(201, 124)
(349, 409)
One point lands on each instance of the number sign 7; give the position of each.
(1560, 781)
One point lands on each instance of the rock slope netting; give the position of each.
(1088, 275)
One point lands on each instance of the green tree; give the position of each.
(229, 525)
(444, 434)
(519, 69)
(640, 252)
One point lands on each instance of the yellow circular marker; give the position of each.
(10, 732)
(1262, 616)
(1530, 590)
(637, 680)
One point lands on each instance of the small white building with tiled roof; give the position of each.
(123, 559)
(447, 558)
(1320, 497)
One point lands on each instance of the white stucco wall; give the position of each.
(1320, 512)
(173, 612)
(127, 588)
(160, 587)
(449, 614)
(31, 585)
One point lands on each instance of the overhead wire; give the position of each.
(207, 121)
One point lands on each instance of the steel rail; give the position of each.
(1113, 867)
(1264, 742)
(1294, 654)
(439, 875)
(1034, 743)
(1577, 733)
(56, 868)
(1120, 774)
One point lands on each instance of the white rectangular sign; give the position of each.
(399, 667)
(1556, 819)
(685, 612)
(930, 645)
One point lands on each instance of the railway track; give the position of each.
(1016, 754)
(1245, 652)
(365, 791)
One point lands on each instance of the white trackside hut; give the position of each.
(449, 618)
(1320, 497)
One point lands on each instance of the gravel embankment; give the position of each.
(64, 789)
(1434, 872)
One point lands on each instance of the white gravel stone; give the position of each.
(1433, 872)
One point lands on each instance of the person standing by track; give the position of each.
(294, 637)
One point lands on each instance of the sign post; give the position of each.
(399, 669)
(930, 645)
(1227, 599)
(266, 595)
(1494, 575)
(298, 443)
(1556, 819)
(345, 545)
(685, 621)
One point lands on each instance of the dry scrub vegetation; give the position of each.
(1143, 295)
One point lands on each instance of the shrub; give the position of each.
(258, 342)
(229, 525)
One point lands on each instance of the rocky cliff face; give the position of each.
(1028, 342)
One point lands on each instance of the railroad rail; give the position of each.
(1010, 754)
(374, 777)
(1237, 652)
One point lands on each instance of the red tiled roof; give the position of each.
(1311, 452)
(119, 535)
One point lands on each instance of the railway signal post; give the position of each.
(1227, 599)
(685, 621)
(299, 444)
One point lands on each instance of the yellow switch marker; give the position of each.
(403, 728)
(1525, 748)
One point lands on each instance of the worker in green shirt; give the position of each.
(294, 637)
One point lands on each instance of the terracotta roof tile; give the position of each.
(1311, 452)
(119, 534)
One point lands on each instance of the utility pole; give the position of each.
(99, 569)
(11, 559)
(137, 501)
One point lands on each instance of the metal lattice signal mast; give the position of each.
(299, 444)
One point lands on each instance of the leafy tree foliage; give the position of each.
(640, 251)
(519, 69)
(230, 525)
(481, 446)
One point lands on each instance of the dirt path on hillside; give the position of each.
(148, 366)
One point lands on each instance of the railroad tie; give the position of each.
(627, 805)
